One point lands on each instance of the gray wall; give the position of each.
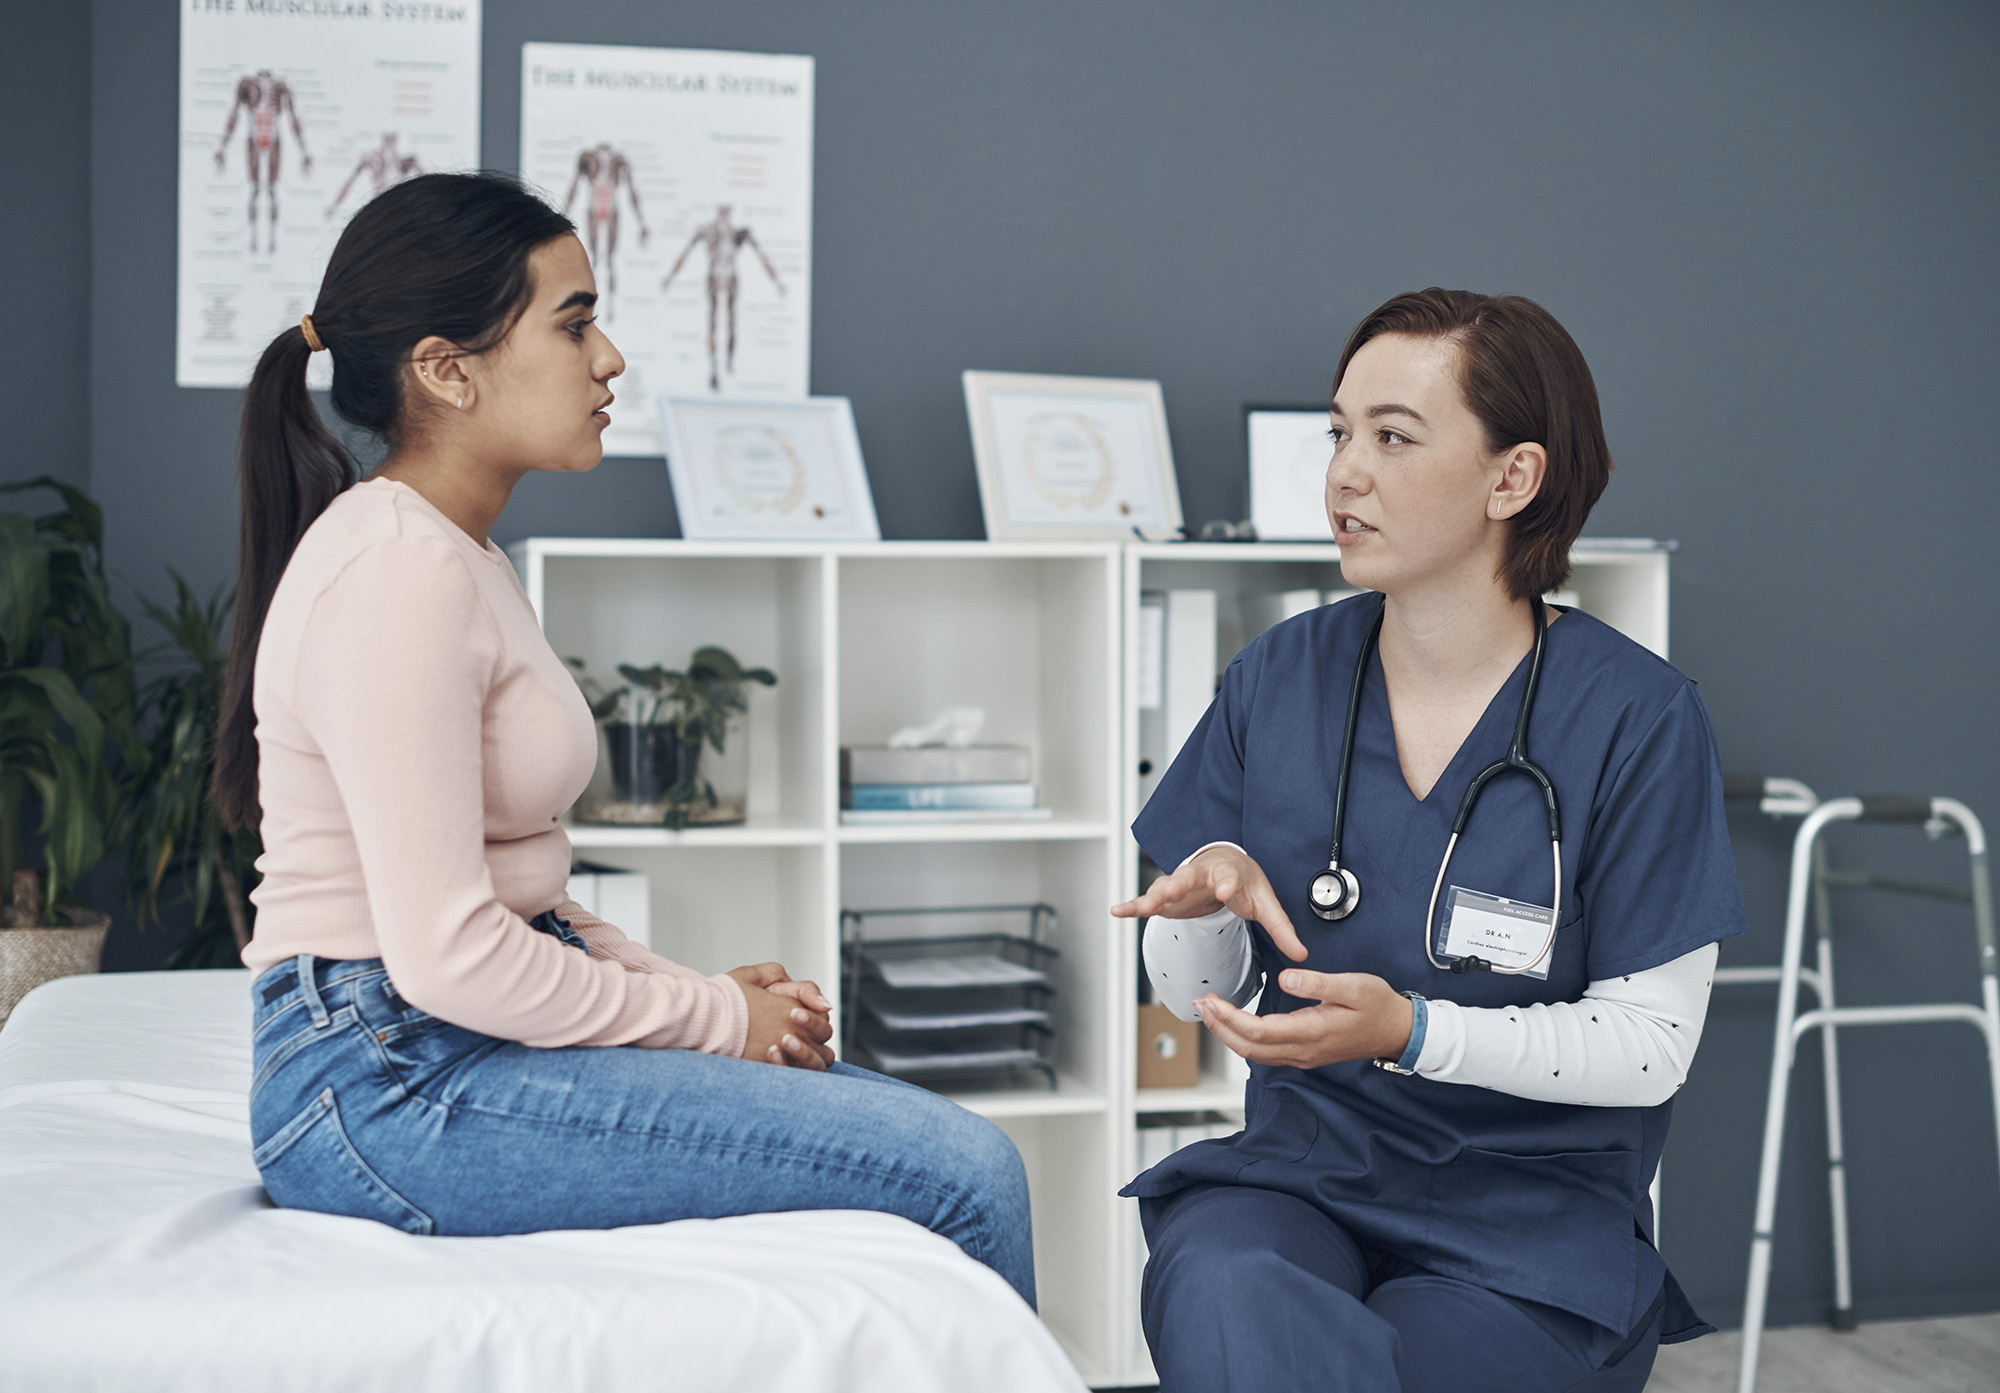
(1771, 228)
(44, 251)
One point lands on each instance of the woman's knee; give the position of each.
(992, 1155)
(957, 1174)
(973, 1157)
(995, 1195)
(958, 1142)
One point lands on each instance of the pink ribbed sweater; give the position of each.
(417, 741)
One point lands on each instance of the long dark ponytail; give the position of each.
(443, 254)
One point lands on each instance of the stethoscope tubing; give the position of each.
(1548, 941)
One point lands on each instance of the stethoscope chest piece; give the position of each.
(1334, 893)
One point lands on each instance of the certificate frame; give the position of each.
(1288, 452)
(1076, 458)
(745, 469)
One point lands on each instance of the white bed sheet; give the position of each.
(138, 1251)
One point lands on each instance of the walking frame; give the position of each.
(1811, 881)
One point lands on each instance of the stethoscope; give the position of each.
(1336, 891)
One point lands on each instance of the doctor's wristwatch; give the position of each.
(1419, 1018)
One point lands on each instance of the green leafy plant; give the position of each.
(696, 703)
(68, 711)
(168, 825)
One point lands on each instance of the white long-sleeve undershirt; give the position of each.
(1627, 1043)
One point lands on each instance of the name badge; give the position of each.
(1506, 933)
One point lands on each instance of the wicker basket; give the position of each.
(30, 957)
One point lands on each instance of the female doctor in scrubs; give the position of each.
(1476, 1218)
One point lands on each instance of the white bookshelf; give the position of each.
(865, 639)
(869, 637)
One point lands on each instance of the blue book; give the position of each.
(941, 797)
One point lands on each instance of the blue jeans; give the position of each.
(363, 1105)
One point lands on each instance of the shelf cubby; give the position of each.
(716, 907)
(644, 606)
(1074, 878)
(1019, 635)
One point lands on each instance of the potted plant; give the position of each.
(67, 717)
(657, 727)
(167, 824)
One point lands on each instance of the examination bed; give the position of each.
(138, 1250)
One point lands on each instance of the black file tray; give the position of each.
(952, 1009)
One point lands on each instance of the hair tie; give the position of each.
(306, 328)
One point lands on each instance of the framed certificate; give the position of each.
(767, 470)
(1084, 458)
(1289, 452)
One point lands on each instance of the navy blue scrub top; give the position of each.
(1544, 1201)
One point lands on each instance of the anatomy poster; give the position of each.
(294, 113)
(689, 175)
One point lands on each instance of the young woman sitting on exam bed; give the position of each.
(443, 1041)
(1476, 1004)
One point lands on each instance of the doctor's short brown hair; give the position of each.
(1525, 379)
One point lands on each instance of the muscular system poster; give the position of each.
(689, 175)
(293, 114)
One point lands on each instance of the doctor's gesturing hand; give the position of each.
(1218, 877)
(1359, 1016)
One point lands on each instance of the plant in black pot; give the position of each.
(674, 740)
(67, 727)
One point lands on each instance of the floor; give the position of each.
(1956, 1354)
(1960, 1354)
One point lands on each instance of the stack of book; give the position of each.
(935, 783)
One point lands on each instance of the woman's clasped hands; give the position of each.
(790, 1022)
(1357, 1015)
